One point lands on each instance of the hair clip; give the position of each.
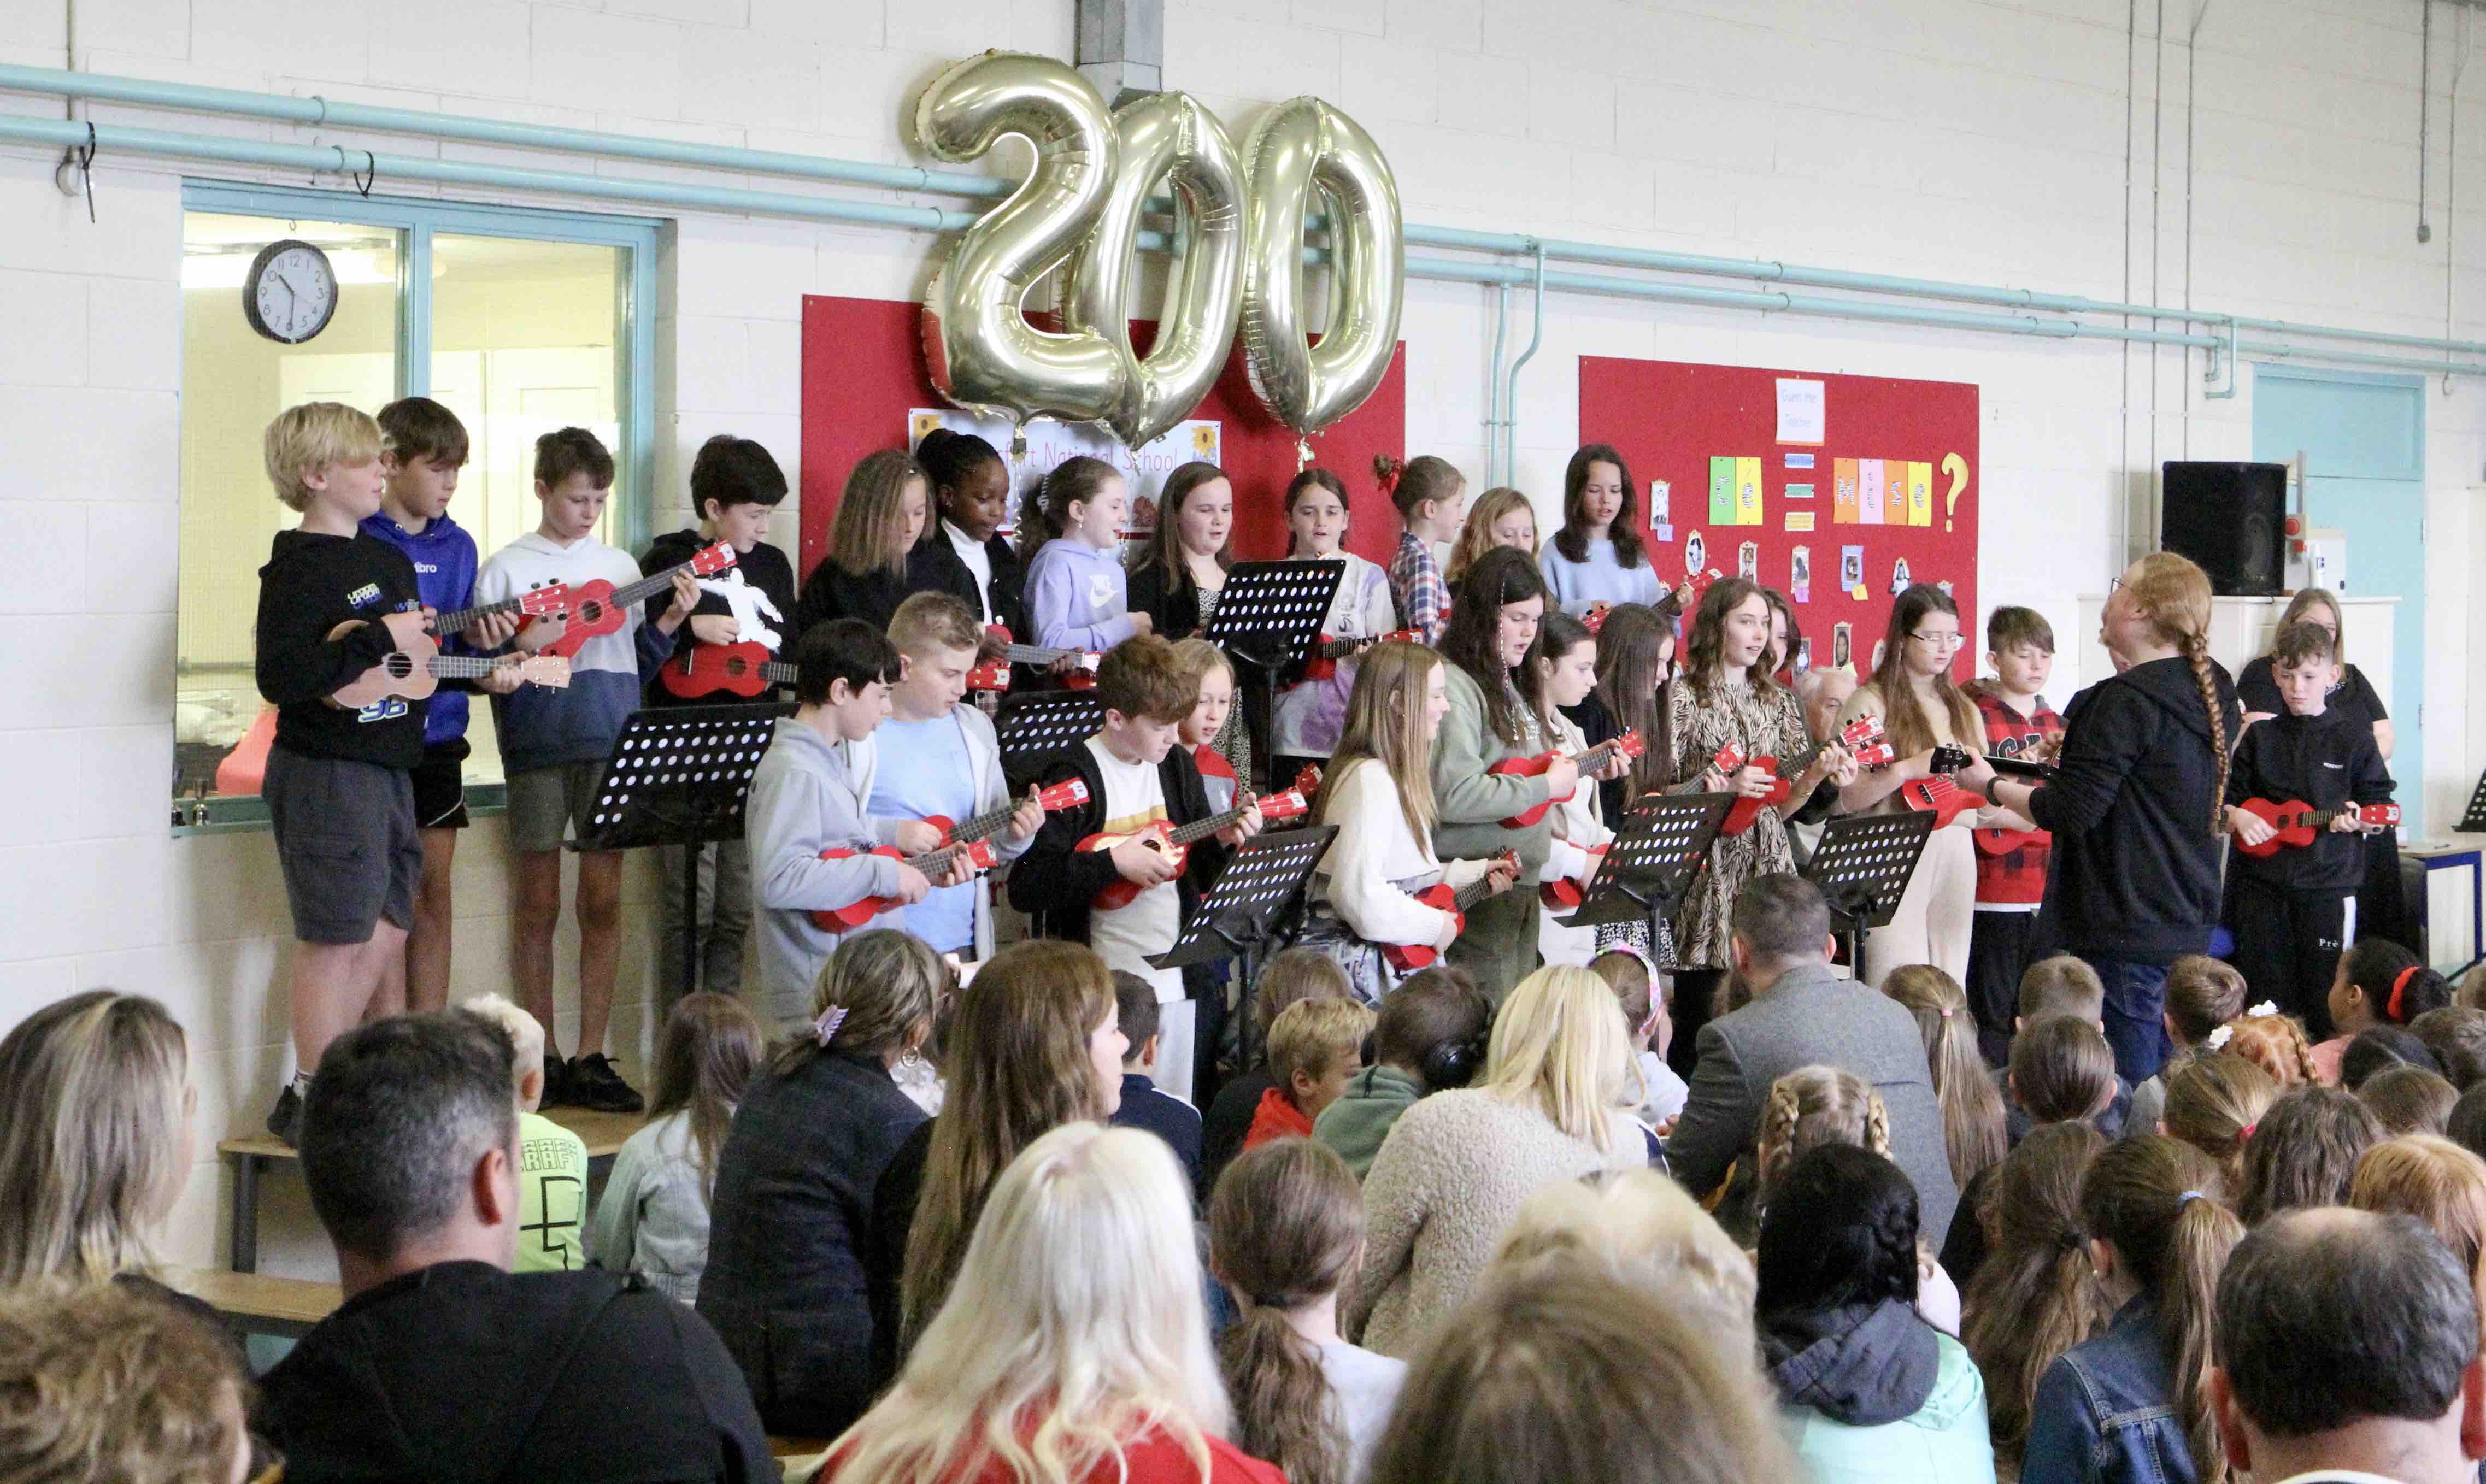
(2267, 1007)
(825, 1027)
(2219, 1037)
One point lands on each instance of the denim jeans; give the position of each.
(2136, 1007)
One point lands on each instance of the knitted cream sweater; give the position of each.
(1446, 1184)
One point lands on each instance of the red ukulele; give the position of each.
(1861, 737)
(1587, 759)
(1567, 892)
(1071, 794)
(933, 863)
(739, 669)
(2299, 822)
(995, 674)
(597, 607)
(535, 603)
(2000, 842)
(1326, 654)
(1408, 957)
(1941, 794)
(1177, 841)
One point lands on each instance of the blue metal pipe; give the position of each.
(1511, 383)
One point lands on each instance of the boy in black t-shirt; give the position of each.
(337, 788)
(2291, 910)
(734, 486)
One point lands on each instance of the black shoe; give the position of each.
(556, 1084)
(593, 1084)
(285, 1120)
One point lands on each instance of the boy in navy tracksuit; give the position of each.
(2293, 912)
(422, 447)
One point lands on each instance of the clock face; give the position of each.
(291, 292)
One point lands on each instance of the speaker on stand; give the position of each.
(2230, 519)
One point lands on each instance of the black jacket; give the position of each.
(463, 1372)
(832, 592)
(2135, 869)
(1176, 614)
(933, 566)
(2325, 760)
(763, 566)
(312, 583)
(787, 1272)
(1055, 881)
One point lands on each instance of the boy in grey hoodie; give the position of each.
(809, 797)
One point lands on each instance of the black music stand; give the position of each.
(1269, 614)
(2474, 822)
(1663, 844)
(1862, 868)
(681, 776)
(1241, 907)
(1035, 725)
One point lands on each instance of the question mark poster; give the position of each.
(1894, 473)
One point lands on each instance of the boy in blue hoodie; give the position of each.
(555, 745)
(422, 447)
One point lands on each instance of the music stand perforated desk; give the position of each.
(2474, 822)
(1269, 615)
(1862, 868)
(1260, 881)
(1663, 844)
(1035, 725)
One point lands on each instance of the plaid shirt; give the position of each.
(2019, 878)
(1416, 582)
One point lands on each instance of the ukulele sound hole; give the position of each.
(590, 613)
(401, 666)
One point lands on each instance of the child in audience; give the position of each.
(2472, 989)
(879, 519)
(1144, 1105)
(2376, 983)
(2289, 909)
(1078, 1330)
(2274, 1042)
(1428, 1037)
(1378, 791)
(2133, 1405)
(1974, 1127)
(1289, 975)
(652, 1219)
(2457, 1038)
(2437, 1182)
(2202, 994)
(735, 486)
(1137, 782)
(2378, 1048)
(2062, 1068)
(2303, 1152)
(552, 1160)
(108, 1385)
(1597, 559)
(812, 795)
(962, 554)
(2215, 1103)
(2467, 1125)
(352, 901)
(1212, 676)
(2061, 985)
(1432, 499)
(423, 446)
(1566, 671)
(1315, 1049)
(555, 745)
(1643, 992)
(2035, 1294)
(2409, 1100)
(2020, 651)
(1311, 712)
(1070, 540)
(938, 759)
(1501, 516)
(1285, 1228)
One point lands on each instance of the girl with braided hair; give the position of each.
(2137, 802)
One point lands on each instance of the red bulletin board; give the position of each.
(1670, 419)
(863, 371)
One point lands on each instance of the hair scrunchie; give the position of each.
(2187, 1198)
(2398, 986)
(825, 1029)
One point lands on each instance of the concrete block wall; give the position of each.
(2037, 143)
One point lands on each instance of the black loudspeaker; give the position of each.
(2230, 518)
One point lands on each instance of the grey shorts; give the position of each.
(546, 802)
(346, 842)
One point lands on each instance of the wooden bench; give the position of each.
(255, 1301)
(603, 1134)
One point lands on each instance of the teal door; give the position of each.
(2363, 442)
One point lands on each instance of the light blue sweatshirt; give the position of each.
(1077, 596)
(1600, 579)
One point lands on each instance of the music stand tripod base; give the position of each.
(1237, 914)
(1269, 614)
(1862, 868)
(1649, 865)
(681, 776)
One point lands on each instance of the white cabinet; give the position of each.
(2240, 630)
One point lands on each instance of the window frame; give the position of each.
(418, 220)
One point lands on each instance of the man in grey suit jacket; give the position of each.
(1802, 1014)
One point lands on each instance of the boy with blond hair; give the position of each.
(1315, 1048)
(552, 1160)
(338, 791)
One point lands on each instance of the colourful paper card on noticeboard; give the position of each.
(1722, 491)
(1844, 508)
(1747, 491)
(1868, 491)
(1921, 494)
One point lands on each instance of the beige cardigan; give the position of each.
(1448, 1182)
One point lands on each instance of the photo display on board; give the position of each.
(1762, 473)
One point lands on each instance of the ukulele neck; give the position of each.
(647, 587)
(465, 667)
(983, 826)
(1202, 828)
(1472, 893)
(459, 620)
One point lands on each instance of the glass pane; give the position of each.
(233, 380)
(524, 338)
